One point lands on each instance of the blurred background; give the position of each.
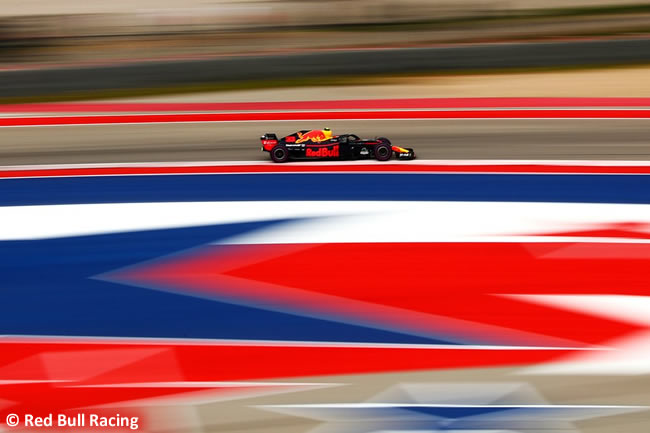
(69, 31)
(73, 49)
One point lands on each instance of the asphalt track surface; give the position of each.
(591, 139)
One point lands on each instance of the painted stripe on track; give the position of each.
(359, 104)
(342, 221)
(524, 167)
(585, 188)
(328, 115)
(126, 341)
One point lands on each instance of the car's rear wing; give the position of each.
(269, 140)
(269, 136)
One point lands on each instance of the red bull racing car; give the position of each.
(321, 144)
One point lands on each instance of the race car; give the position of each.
(321, 144)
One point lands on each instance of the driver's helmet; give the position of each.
(328, 133)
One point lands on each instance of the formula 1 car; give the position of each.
(321, 144)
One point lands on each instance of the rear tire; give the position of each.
(280, 153)
(383, 151)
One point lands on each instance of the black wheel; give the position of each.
(280, 153)
(383, 151)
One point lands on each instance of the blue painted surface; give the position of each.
(242, 187)
(48, 288)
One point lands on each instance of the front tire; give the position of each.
(280, 153)
(383, 150)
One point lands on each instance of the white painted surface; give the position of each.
(333, 221)
(629, 355)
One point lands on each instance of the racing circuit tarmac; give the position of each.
(597, 139)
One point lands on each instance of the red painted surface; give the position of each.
(459, 287)
(328, 115)
(139, 368)
(324, 167)
(196, 362)
(357, 104)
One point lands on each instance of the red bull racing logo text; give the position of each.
(323, 152)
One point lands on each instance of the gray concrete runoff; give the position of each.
(494, 56)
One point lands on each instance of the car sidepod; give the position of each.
(330, 150)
